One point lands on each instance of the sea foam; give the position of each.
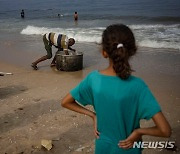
(154, 36)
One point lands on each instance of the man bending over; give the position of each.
(60, 41)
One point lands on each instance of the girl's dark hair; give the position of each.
(119, 43)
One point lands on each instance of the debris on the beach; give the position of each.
(56, 139)
(89, 150)
(74, 116)
(160, 149)
(5, 73)
(10, 140)
(76, 125)
(36, 99)
(70, 148)
(47, 144)
(36, 146)
(20, 108)
(80, 149)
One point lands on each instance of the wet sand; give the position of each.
(30, 100)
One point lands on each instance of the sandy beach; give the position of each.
(30, 107)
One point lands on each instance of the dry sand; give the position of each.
(30, 103)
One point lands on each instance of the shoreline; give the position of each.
(30, 102)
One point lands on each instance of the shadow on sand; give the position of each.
(27, 114)
(8, 91)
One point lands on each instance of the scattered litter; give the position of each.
(70, 148)
(36, 99)
(5, 73)
(76, 125)
(36, 146)
(20, 108)
(80, 149)
(56, 139)
(90, 150)
(47, 144)
(10, 140)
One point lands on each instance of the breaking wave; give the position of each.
(154, 36)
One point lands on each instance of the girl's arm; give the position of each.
(162, 129)
(69, 103)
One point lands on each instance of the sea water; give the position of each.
(155, 23)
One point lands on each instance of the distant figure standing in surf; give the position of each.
(75, 16)
(22, 14)
(60, 41)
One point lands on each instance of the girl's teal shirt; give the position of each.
(119, 106)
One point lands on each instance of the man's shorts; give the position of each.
(48, 46)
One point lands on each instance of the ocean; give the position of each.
(156, 24)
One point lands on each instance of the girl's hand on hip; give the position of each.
(96, 133)
(128, 142)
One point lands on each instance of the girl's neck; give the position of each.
(109, 70)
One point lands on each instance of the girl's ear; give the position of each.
(105, 55)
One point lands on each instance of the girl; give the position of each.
(120, 100)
